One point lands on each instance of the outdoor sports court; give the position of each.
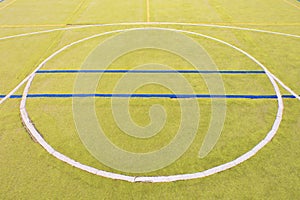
(150, 99)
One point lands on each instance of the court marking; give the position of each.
(147, 95)
(31, 128)
(215, 23)
(150, 23)
(152, 71)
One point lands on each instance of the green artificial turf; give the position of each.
(27, 171)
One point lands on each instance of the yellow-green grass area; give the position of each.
(29, 172)
(233, 84)
(26, 167)
(273, 51)
(224, 57)
(54, 119)
(211, 11)
(37, 12)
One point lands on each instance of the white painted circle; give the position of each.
(170, 178)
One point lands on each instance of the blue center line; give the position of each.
(172, 96)
(154, 71)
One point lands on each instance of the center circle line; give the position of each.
(169, 178)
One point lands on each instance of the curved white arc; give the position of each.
(242, 158)
(147, 23)
(235, 162)
(33, 131)
(150, 23)
(252, 58)
(49, 58)
(228, 27)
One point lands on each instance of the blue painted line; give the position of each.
(172, 96)
(12, 96)
(155, 71)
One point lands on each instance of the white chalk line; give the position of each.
(223, 167)
(148, 23)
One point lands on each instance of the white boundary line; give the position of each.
(148, 23)
(220, 168)
(151, 23)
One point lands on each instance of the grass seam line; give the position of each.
(295, 6)
(5, 6)
(148, 10)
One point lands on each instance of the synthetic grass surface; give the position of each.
(27, 171)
